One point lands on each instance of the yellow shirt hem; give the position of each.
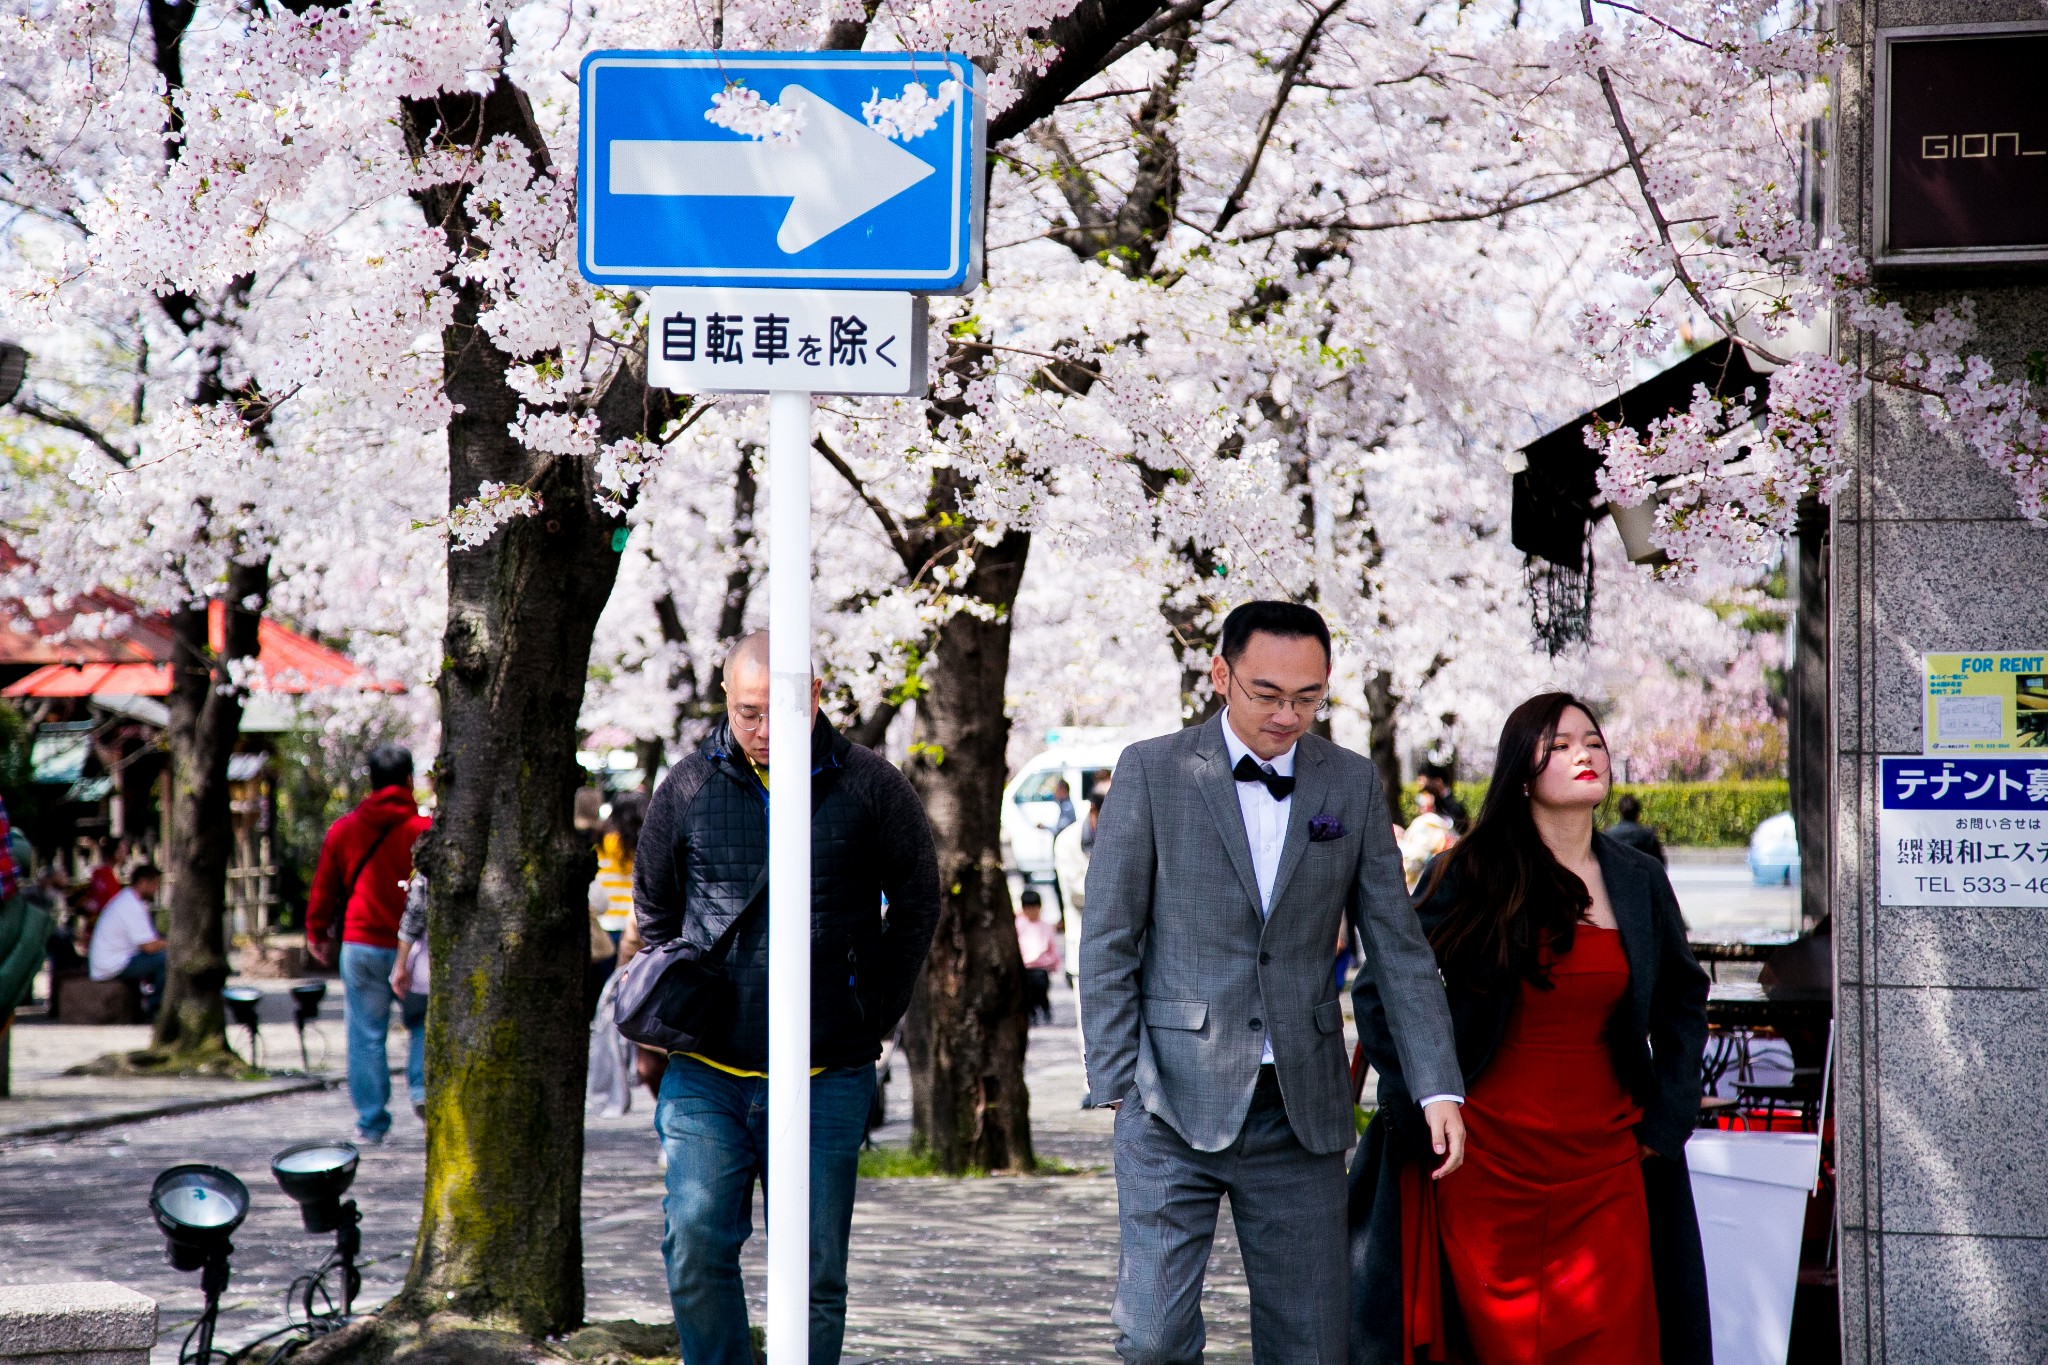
(733, 1070)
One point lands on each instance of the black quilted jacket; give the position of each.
(703, 860)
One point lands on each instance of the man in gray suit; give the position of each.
(1228, 858)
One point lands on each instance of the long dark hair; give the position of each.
(1510, 897)
(629, 813)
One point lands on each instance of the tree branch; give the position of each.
(1085, 38)
(1289, 74)
(890, 527)
(1677, 33)
(77, 426)
(1656, 210)
(1495, 210)
(1158, 24)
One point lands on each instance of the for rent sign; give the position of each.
(1963, 831)
(1985, 704)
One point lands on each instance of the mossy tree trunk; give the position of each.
(500, 1236)
(206, 717)
(967, 1029)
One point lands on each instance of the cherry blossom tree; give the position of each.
(1194, 364)
(386, 185)
(1274, 287)
(182, 481)
(1715, 109)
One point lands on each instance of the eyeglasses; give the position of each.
(1315, 707)
(748, 718)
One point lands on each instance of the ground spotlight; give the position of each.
(315, 1175)
(199, 1208)
(242, 1002)
(306, 998)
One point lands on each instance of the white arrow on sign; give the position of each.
(836, 170)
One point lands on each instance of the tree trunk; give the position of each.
(1381, 707)
(967, 1028)
(206, 718)
(500, 1237)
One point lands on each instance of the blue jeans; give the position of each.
(366, 989)
(714, 1131)
(413, 1009)
(147, 970)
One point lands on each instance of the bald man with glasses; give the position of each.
(701, 875)
(1227, 859)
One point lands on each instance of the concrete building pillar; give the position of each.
(1942, 1024)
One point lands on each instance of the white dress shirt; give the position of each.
(1265, 829)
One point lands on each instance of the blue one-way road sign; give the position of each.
(667, 197)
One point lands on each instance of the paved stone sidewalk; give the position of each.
(44, 1100)
(996, 1270)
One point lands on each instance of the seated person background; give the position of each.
(125, 943)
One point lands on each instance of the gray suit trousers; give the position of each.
(1288, 1205)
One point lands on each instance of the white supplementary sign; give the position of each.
(1964, 831)
(792, 340)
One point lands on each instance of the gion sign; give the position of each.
(1962, 144)
(1963, 831)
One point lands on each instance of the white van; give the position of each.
(1079, 755)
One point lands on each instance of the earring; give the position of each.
(1525, 789)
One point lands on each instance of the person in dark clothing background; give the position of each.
(1631, 832)
(1063, 802)
(700, 874)
(1435, 779)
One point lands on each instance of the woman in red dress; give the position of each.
(1568, 1238)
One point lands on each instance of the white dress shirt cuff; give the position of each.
(1428, 1100)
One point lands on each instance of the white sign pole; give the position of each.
(789, 878)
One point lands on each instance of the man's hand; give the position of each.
(1446, 1135)
(401, 972)
(318, 952)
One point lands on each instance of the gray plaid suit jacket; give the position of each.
(1180, 979)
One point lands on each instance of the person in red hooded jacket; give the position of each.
(365, 862)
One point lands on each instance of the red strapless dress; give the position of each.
(1544, 1236)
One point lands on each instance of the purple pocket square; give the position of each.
(1323, 828)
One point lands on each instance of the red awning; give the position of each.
(289, 662)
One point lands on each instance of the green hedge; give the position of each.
(1471, 793)
(1706, 814)
(1690, 814)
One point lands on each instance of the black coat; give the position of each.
(1656, 1038)
(702, 864)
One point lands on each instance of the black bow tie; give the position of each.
(1249, 771)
